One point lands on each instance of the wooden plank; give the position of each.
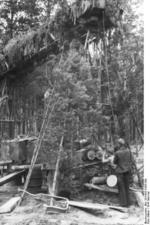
(10, 177)
(95, 206)
(56, 171)
(3, 163)
(20, 139)
(86, 165)
(22, 167)
(88, 205)
(101, 188)
(10, 205)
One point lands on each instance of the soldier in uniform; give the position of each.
(123, 160)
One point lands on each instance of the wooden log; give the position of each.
(95, 206)
(85, 165)
(99, 155)
(10, 177)
(10, 205)
(88, 205)
(99, 180)
(102, 188)
(111, 181)
(90, 155)
(4, 163)
(23, 167)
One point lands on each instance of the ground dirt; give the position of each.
(33, 212)
(37, 216)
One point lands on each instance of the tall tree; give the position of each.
(18, 16)
(125, 65)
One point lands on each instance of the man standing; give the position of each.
(123, 161)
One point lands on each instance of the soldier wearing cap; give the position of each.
(123, 161)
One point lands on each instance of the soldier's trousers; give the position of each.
(123, 187)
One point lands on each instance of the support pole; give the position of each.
(56, 170)
(38, 144)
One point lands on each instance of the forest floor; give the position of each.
(33, 212)
(34, 215)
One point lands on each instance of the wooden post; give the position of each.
(56, 170)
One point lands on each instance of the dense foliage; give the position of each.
(18, 16)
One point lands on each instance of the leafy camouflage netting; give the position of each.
(25, 47)
(112, 8)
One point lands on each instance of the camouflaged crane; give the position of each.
(71, 21)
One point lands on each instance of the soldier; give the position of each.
(123, 161)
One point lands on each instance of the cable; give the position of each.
(107, 72)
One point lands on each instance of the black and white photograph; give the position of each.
(72, 119)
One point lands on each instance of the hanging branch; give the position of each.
(2, 99)
(86, 40)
